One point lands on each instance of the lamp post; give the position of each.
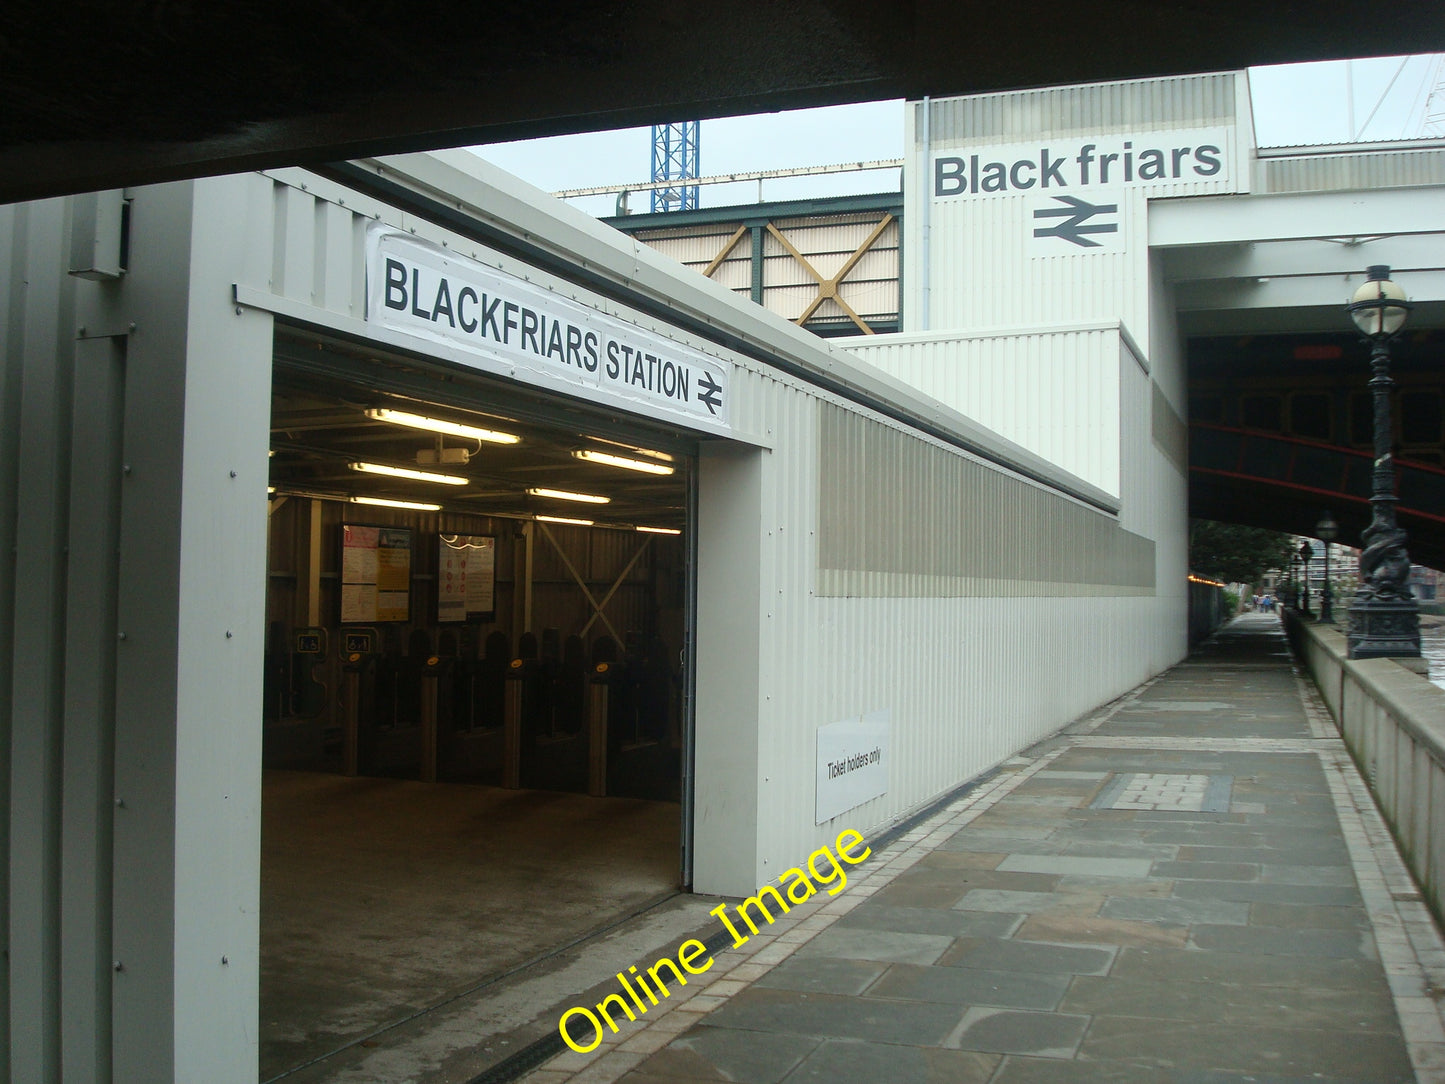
(1327, 530)
(1384, 618)
(1306, 551)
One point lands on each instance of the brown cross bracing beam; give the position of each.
(828, 286)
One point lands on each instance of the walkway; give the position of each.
(1191, 885)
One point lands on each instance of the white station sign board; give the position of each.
(852, 763)
(528, 332)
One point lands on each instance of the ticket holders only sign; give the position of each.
(539, 336)
(852, 763)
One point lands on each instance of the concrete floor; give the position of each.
(381, 898)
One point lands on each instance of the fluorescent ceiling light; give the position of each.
(659, 530)
(563, 519)
(621, 461)
(437, 425)
(563, 495)
(384, 503)
(407, 472)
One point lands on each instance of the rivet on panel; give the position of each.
(229, 634)
(233, 474)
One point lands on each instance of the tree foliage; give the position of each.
(1234, 554)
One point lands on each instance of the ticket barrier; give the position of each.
(542, 748)
(277, 680)
(471, 746)
(309, 693)
(398, 740)
(359, 673)
(642, 759)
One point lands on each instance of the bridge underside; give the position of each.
(1281, 430)
(101, 93)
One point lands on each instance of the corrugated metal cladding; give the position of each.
(1195, 101)
(968, 676)
(1329, 172)
(900, 516)
(984, 269)
(1168, 430)
(1054, 392)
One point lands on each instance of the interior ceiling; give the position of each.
(319, 426)
(105, 93)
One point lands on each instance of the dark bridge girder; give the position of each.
(1285, 484)
(101, 93)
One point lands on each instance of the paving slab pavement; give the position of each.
(1190, 885)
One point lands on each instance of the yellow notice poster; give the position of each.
(375, 574)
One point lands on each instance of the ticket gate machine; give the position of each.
(359, 658)
(308, 652)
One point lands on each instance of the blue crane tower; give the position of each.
(674, 157)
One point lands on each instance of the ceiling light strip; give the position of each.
(438, 425)
(407, 472)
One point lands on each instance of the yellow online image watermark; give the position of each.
(692, 955)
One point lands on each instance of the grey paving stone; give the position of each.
(1300, 916)
(910, 1023)
(1008, 1031)
(715, 1054)
(1118, 849)
(972, 986)
(1177, 912)
(1058, 863)
(1253, 892)
(993, 899)
(1036, 956)
(888, 946)
(1286, 1052)
(1295, 856)
(1364, 977)
(1302, 1006)
(1017, 1069)
(946, 923)
(850, 1062)
(1268, 941)
(1308, 875)
(1207, 871)
(822, 975)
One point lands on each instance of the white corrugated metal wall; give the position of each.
(982, 272)
(132, 479)
(172, 864)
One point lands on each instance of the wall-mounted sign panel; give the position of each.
(852, 763)
(375, 574)
(1067, 225)
(536, 335)
(466, 577)
(1078, 167)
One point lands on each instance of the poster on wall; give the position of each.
(375, 574)
(466, 577)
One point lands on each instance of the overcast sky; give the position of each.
(1293, 104)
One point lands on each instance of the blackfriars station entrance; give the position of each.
(476, 713)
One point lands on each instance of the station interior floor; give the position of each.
(382, 898)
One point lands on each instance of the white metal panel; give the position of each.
(1367, 170)
(1054, 393)
(983, 268)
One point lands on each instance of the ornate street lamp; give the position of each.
(1327, 530)
(1306, 551)
(1384, 618)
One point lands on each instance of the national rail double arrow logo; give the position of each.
(1077, 213)
(708, 392)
